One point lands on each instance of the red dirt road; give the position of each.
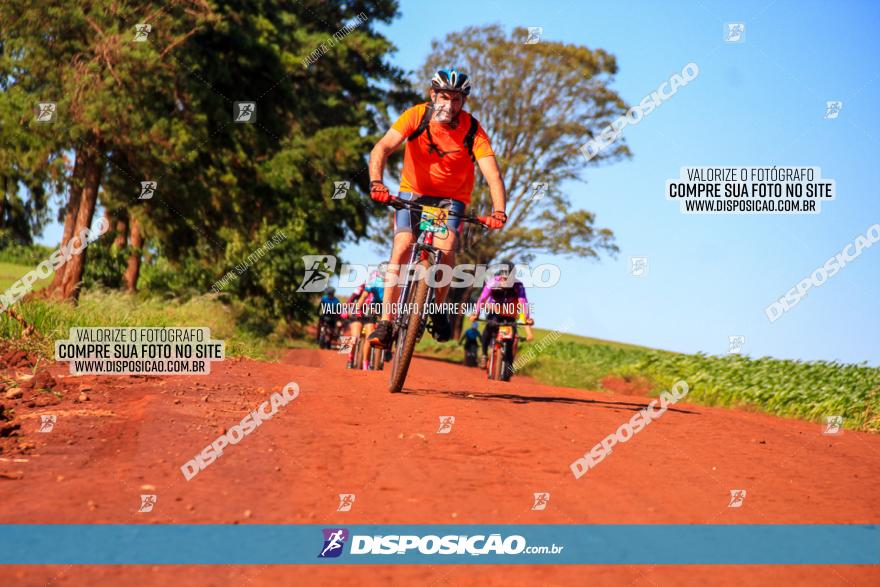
(346, 434)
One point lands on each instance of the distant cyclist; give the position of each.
(471, 340)
(365, 300)
(443, 143)
(503, 296)
(329, 311)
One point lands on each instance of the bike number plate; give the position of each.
(505, 332)
(434, 220)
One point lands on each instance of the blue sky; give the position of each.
(758, 103)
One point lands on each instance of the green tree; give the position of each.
(162, 110)
(539, 103)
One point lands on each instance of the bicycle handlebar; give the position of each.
(528, 322)
(398, 203)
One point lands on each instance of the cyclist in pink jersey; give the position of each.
(502, 296)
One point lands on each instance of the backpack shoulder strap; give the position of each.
(470, 136)
(426, 118)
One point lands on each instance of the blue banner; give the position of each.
(211, 544)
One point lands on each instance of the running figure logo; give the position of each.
(141, 31)
(534, 36)
(737, 497)
(147, 190)
(147, 503)
(318, 270)
(736, 343)
(345, 343)
(538, 190)
(244, 112)
(833, 426)
(47, 422)
(46, 111)
(734, 32)
(541, 500)
(832, 109)
(334, 540)
(446, 423)
(638, 266)
(346, 500)
(340, 189)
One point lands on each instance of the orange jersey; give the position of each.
(428, 174)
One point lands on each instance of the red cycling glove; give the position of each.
(496, 220)
(379, 192)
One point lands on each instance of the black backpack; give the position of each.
(425, 126)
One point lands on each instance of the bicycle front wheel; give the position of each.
(408, 329)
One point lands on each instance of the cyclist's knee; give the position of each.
(402, 242)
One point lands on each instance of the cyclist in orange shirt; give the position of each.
(443, 143)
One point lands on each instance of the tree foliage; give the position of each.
(162, 110)
(539, 103)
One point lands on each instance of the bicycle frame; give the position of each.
(408, 326)
(423, 250)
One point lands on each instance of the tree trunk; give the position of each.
(134, 261)
(69, 218)
(73, 269)
(121, 228)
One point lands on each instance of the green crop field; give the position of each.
(810, 390)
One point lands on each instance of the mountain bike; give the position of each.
(503, 352)
(416, 294)
(328, 331)
(376, 357)
(470, 354)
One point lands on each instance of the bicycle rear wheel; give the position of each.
(495, 362)
(408, 329)
(376, 358)
(506, 360)
(359, 352)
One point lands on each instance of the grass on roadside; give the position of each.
(244, 333)
(811, 390)
(12, 272)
